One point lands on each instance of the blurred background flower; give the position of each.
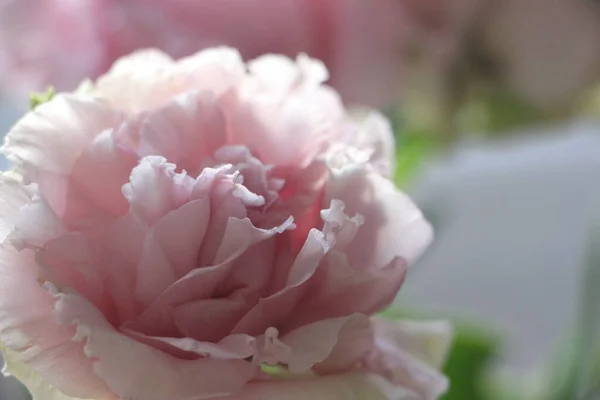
(496, 105)
(361, 42)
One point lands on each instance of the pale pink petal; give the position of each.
(119, 256)
(251, 275)
(278, 76)
(240, 234)
(187, 131)
(394, 226)
(36, 385)
(155, 189)
(14, 196)
(233, 347)
(67, 261)
(227, 205)
(302, 197)
(351, 386)
(404, 355)
(101, 171)
(157, 319)
(429, 341)
(336, 282)
(334, 292)
(28, 329)
(303, 275)
(149, 78)
(171, 248)
(47, 143)
(285, 125)
(201, 283)
(373, 134)
(274, 309)
(257, 177)
(209, 320)
(53, 136)
(334, 345)
(247, 280)
(130, 84)
(35, 223)
(153, 375)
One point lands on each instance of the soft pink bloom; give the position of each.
(177, 224)
(64, 41)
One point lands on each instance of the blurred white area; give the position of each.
(511, 218)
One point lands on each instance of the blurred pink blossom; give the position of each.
(61, 42)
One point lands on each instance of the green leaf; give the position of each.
(35, 99)
(469, 358)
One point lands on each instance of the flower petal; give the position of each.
(101, 172)
(394, 226)
(429, 341)
(39, 388)
(31, 335)
(47, 143)
(155, 189)
(404, 356)
(334, 345)
(335, 288)
(336, 282)
(373, 133)
(52, 137)
(282, 113)
(149, 78)
(274, 309)
(153, 374)
(14, 196)
(232, 347)
(200, 283)
(186, 131)
(171, 248)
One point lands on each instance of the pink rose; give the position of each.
(177, 225)
(361, 42)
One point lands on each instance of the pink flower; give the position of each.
(177, 225)
(361, 42)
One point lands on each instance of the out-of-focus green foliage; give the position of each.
(35, 99)
(469, 359)
(413, 149)
(422, 129)
(590, 106)
(491, 110)
(415, 143)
